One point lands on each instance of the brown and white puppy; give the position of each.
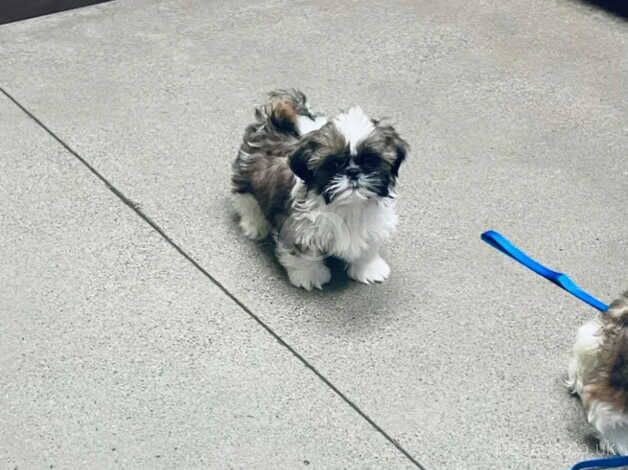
(598, 373)
(323, 187)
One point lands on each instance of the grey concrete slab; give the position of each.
(516, 116)
(117, 353)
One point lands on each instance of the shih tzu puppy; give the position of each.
(598, 373)
(322, 187)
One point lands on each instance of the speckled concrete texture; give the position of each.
(117, 353)
(516, 114)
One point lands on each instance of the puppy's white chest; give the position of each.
(347, 231)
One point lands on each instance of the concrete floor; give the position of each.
(118, 350)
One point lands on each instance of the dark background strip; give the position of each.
(616, 7)
(15, 10)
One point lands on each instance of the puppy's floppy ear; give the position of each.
(401, 149)
(299, 160)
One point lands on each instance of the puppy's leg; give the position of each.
(616, 440)
(369, 268)
(252, 220)
(611, 424)
(305, 269)
(585, 355)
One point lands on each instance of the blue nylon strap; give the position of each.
(498, 241)
(609, 462)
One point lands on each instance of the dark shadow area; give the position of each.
(592, 443)
(619, 8)
(579, 429)
(339, 279)
(16, 10)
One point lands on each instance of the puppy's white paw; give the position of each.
(257, 229)
(252, 220)
(367, 272)
(314, 276)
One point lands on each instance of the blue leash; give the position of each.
(498, 241)
(609, 462)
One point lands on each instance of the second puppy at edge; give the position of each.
(323, 187)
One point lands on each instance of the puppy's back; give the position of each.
(261, 167)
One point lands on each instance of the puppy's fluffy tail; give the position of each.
(281, 110)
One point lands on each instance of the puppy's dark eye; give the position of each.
(369, 160)
(334, 164)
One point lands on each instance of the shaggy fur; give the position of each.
(598, 373)
(322, 187)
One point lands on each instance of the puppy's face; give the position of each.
(351, 157)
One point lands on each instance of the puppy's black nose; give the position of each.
(353, 173)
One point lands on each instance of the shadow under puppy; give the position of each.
(598, 373)
(323, 187)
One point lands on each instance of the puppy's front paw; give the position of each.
(367, 272)
(255, 229)
(309, 278)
